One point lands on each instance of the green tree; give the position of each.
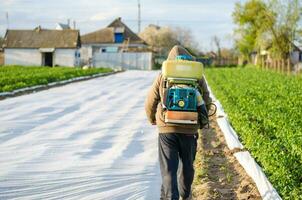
(245, 42)
(255, 20)
(286, 29)
(270, 23)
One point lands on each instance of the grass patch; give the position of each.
(16, 77)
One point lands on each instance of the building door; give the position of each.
(48, 59)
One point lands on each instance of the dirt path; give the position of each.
(218, 173)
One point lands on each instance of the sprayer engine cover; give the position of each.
(181, 99)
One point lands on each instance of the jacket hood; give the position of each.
(176, 51)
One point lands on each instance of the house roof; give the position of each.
(106, 35)
(61, 26)
(296, 47)
(42, 38)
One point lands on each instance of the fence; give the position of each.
(1, 58)
(279, 65)
(224, 61)
(126, 60)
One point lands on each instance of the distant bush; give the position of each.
(156, 66)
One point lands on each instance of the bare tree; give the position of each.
(162, 39)
(184, 37)
(216, 41)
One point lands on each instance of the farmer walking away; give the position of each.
(177, 103)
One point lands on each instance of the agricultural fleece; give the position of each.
(153, 104)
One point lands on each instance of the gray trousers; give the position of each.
(176, 156)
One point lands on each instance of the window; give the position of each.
(118, 37)
(77, 54)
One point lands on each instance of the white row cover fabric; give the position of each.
(86, 140)
(265, 188)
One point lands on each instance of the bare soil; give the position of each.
(218, 175)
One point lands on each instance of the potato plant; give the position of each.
(16, 77)
(265, 108)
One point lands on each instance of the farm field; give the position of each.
(16, 77)
(91, 140)
(265, 108)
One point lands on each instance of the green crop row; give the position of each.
(16, 77)
(265, 109)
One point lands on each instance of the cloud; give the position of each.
(108, 14)
(205, 18)
(8, 2)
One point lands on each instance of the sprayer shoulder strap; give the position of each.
(164, 92)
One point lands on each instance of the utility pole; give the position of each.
(139, 16)
(7, 21)
(74, 24)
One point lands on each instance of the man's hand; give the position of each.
(208, 107)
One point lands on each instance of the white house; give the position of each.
(116, 37)
(296, 54)
(1, 53)
(42, 47)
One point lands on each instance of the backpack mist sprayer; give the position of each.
(183, 102)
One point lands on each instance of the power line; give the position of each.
(138, 20)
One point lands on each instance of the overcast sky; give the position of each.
(205, 18)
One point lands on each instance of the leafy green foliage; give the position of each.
(16, 77)
(254, 20)
(265, 108)
(270, 24)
